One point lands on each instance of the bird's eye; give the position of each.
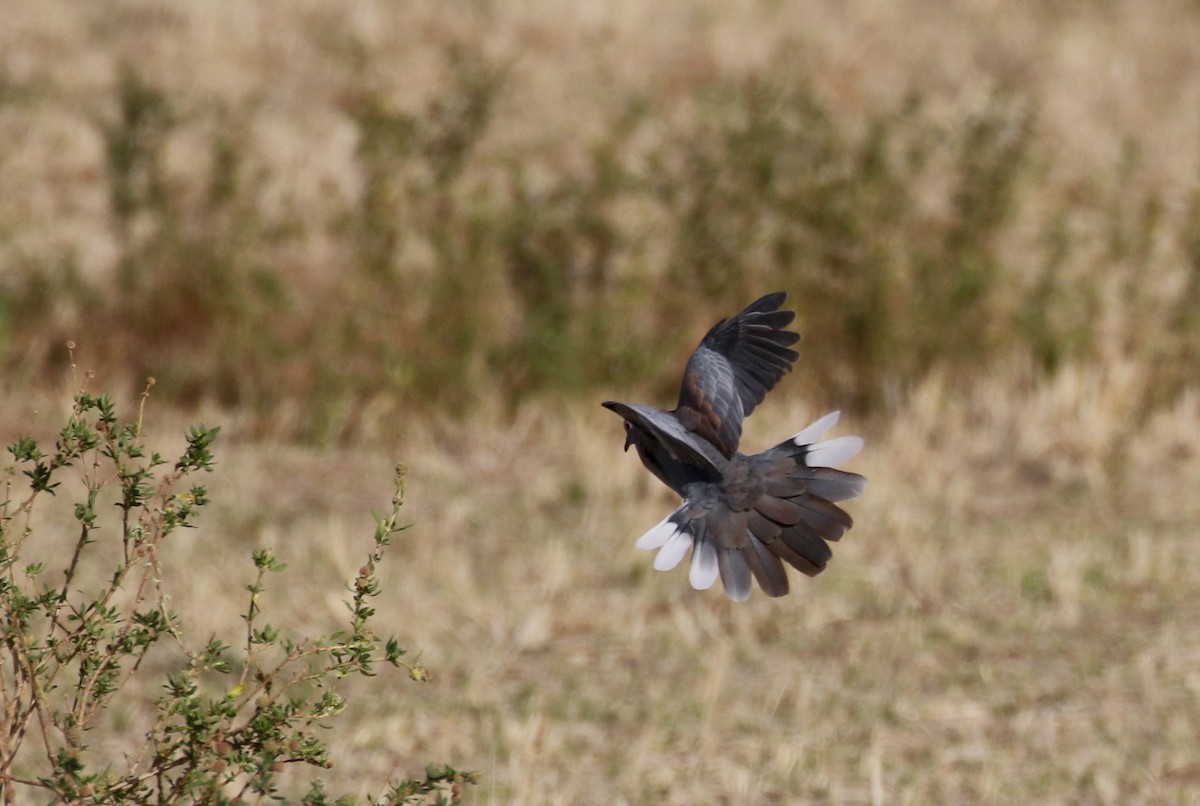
(628, 426)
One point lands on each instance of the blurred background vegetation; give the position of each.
(328, 218)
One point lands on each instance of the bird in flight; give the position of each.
(742, 516)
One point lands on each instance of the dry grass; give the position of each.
(1012, 619)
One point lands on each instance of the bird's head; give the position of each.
(630, 433)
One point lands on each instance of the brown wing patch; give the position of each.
(699, 415)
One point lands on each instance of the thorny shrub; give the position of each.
(230, 722)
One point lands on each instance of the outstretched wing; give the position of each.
(737, 363)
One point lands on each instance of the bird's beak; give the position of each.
(628, 440)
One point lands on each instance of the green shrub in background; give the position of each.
(464, 272)
(231, 724)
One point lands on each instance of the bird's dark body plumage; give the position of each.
(744, 515)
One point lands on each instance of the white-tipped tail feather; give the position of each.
(673, 544)
(704, 570)
(833, 452)
(830, 453)
(657, 535)
(817, 430)
(673, 552)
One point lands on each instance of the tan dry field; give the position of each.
(1014, 617)
(1011, 619)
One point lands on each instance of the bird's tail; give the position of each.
(791, 521)
(713, 533)
(796, 517)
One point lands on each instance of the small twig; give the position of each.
(70, 574)
(16, 779)
(142, 405)
(71, 358)
(251, 613)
